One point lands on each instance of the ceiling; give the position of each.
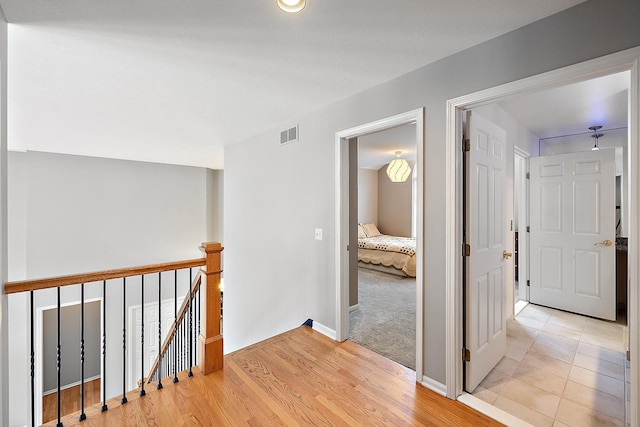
(549, 114)
(161, 81)
(571, 109)
(378, 149)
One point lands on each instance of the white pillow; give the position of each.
(371, 230)
(361, 233)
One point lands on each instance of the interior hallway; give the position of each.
(561, 369)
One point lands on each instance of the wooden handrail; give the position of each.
(195, 287)
(75, 279)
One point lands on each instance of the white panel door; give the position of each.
(151, 343)
(573, 232)
(486, 337)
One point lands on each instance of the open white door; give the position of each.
(485, 335)
(573, 232)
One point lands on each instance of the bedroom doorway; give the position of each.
(347, 220)
(623, 62)
(382, 306)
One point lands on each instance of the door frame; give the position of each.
(523, 241)
(342, 222)
(628, 60)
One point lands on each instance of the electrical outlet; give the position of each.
(318, 233)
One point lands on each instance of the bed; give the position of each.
(381, 252)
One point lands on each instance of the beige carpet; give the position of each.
(386, 319)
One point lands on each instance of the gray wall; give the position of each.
(276, 195)
(72, 214)
(214, 195)
(394, 204)
(83, 211)
(69, 347)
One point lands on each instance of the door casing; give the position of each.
(628, 60)
(342, 223)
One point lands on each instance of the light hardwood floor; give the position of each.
(300, 377)
(69, 400)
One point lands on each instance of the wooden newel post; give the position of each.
(210, 345)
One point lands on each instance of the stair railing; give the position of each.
(207, 308)
(177, 348)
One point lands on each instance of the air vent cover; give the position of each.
(289, 135)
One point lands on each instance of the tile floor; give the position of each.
(561, 369)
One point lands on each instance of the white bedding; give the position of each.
(389, 251)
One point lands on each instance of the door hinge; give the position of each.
(466, 355)
(528, 229)
(528, 282)
(511, 226)
(466, 145)
(347, 248)
(528, 175)
(466, 249)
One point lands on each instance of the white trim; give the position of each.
(342, 223)
(434, 386)
(492, 411)
(523, 274)
(77, 383)
(520, 152)
(324, 330)
(617, 62)
(634, 237)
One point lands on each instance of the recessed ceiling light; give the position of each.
(291, 6)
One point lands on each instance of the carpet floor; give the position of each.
(385, 321)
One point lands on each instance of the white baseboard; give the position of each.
(86, 380)
(434, 385)
(324, 330)
(491, 411)
(354, 308)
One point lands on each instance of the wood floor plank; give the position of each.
(297, 378)
(70, 400)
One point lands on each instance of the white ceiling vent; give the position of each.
(289, 135)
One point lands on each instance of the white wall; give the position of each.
(4, 335)
(367, 196)
(18, 303)
(74, 214)
(275, 196)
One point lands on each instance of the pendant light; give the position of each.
(399, 169)
(595, 135)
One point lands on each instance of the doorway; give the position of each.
(627, 60)
(521, 236)
(343, 242)
(382, 308)
(45, 358)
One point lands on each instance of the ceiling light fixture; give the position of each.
(596, 135)
(291, 6)
(399, 169)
